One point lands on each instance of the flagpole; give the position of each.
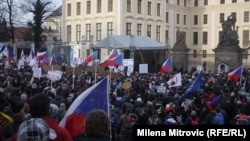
(95, 70)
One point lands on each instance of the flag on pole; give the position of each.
(10, 54)
(95, 97)
(53, 60)
(236, 74)
(195, 87)
(166, 66)
(91, 57)
(116, 61)
(42, 55)
(175, 81)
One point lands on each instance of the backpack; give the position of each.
(194, 122)
(153, 122)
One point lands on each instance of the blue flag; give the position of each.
(195, 87)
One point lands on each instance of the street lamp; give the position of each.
(83, 42)
(91, 38)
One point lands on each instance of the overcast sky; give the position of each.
(28, 17)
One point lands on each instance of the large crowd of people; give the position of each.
(25, 100)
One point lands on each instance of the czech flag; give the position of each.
(53, 60)
(215, 102)
(10, 54)
(91, 57)
(42, 55)
(44, 60)
(113, 53)
(236, 74)
(116, 61)
(166, 66)
(95, 97)
(195, 87)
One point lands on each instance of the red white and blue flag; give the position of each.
(53, 60)
(95, 97)
(236, 74)
(10, 54)
(42, 55)
(116, 61)
(166, 66)
(91, 57)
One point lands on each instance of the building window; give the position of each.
(158, 33)
(78, 33)
(204, 37)
(110, 28)
(166, 17)
(128, 28)
(158, 9)
(204, 53)
(246, 0)
(178, 2)
(78, 8)
(139, 28)
(195, 19)
(69, 33)
(195, 53)
(195, 2)
(234, 1)
(166, 1)
(149, 8)
(185, 2)
(110, 5)
(205, 19)
(69, 9)
(149, 30)
(99, 6)
(98, 31)
(195, 38)
(139, 6)
(245, 38)
(184, 19)
(88, 32)
(166, 36)
(128, 5)
(178, 19)
(246, 16)
(222, 17)
(88, 8)
(205, 2)
(222, 1)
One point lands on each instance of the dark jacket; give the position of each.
(84, 137)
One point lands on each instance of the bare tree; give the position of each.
(40, 9)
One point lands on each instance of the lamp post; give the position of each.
(91, 38)
(83, 42)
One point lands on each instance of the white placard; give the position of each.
(143, 68)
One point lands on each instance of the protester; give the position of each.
(40, 108)
(35, 129)
(97, 127)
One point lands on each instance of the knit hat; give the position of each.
(35, 129)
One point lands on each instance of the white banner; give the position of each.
(37, 72)
(54, 75)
